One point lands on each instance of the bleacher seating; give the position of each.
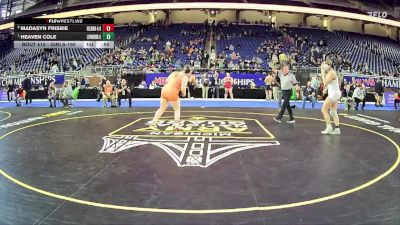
(245, 40)
(377, 54)
(180, 36)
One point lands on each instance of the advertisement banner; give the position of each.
(35, 80)
(389, 98)
(370, 82)
(240, 79)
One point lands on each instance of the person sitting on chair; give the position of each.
(66, 94)
(52, 94)
(359, 96)
(108, 94)
(309, 94)
(346, 97)
(124, 92)
(153, 85)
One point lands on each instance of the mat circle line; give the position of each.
(204, 211)
(8, 115)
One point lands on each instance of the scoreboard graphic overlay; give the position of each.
(64, 33)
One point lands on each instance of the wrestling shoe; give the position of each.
(328, 130)
(336, 131)
(151, 123)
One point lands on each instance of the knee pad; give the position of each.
(333, 113)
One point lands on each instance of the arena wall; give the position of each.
(346, 25)
(282, 18)
(314, 21)
(229, 15)
(376, 29)
(141, 17)
(253, 16)
(288, 18)
(188, 16)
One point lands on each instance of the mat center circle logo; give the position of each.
(202, 141)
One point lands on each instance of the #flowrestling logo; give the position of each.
(203, 140)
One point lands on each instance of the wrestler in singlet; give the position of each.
(176, 86)
(268, 86)
(170, 91)
(329, 108)
(268, 82)
(228, 83)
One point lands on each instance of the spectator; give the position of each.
(124, 92)
(76, 82)
(153, 85)
(359, 96)
(101, 84)
(143, 84)
(54, 69)
(108, 94)
(347, 97)
(275, 59)
(66, 94)
(353, 84)
(282, 58)
(205, 84)
(87, 82)
(276, 89)
(315, 85)
(309, 94)
(83, 82)
(252, 85)
(52, 94)
(191, 85)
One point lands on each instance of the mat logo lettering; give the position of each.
(202, 141)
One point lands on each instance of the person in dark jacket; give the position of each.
(215, 83)
(10, 92)
(27, 86)
(379, 93)
(309, 95)
(124, 91)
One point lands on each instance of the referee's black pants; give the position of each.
(286, 94)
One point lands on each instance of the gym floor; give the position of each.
(228, 166)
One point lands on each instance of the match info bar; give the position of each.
(64, 33)
(63, 44)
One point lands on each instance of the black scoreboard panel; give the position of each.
(64, 33)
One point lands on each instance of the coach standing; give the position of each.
(287, 81)
(27, 86)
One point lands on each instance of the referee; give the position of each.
(287, 81)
